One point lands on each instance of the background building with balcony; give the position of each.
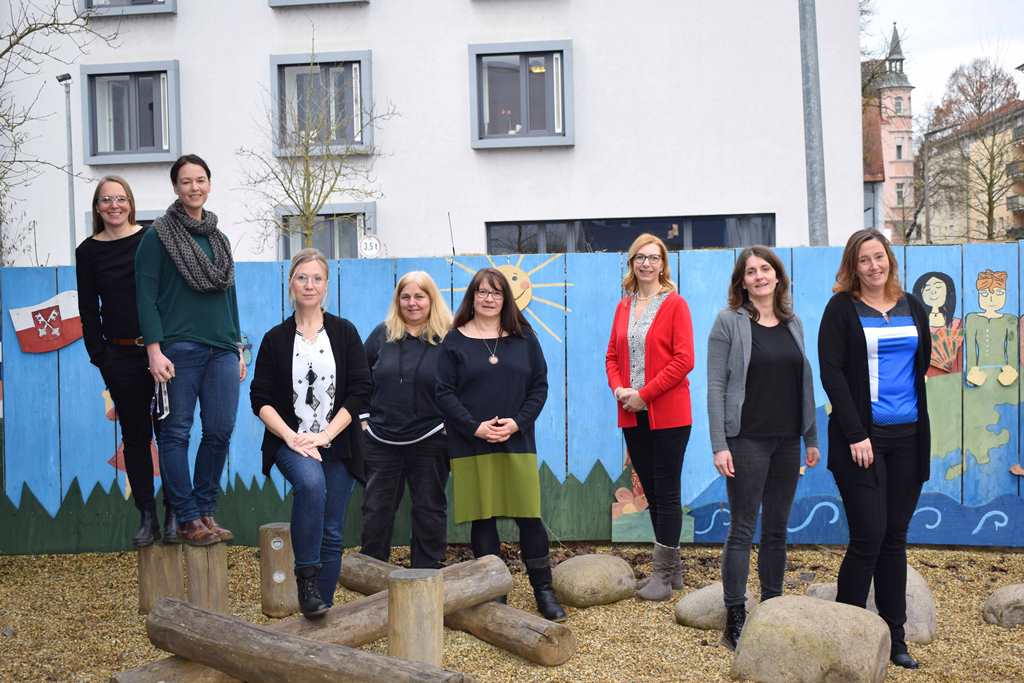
(534, 126)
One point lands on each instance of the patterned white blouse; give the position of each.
(313, 383)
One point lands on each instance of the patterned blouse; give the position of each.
(637, 337)
(313, 384)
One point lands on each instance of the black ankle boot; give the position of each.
(170, 525)
(310, 602)
(539, 570)
(735, 617)
(148, 532)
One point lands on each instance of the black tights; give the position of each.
(533, 538)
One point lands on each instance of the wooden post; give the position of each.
(160, 575)
(278, 595)
(354, 623)
(527, 635)
(207, 571)
(416, 615)
(251, 653)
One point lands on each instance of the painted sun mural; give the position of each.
(524, 284)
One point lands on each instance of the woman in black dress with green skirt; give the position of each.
(491, 385)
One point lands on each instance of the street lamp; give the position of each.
(65, 80)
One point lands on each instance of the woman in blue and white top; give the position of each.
(405, 437)
(874, 346)
(310, 382)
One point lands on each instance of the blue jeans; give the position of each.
(321, 491)
(209, 375)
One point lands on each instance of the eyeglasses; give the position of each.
(653, 259)
(107, 200)
(316, 280)
(489, 294)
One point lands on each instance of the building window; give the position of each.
(521, 94)
(899, 194)
(899, 151)
(131, 113)
(326, 102)
(898, 105)
(616, 234)
(336, 233)
(100, 8)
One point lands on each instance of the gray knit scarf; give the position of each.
(175, 228)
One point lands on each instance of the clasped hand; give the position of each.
(630, 399)
(497, 429)
(307, 444)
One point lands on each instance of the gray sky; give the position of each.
(939, 35)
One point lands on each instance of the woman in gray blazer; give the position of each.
(760, 403)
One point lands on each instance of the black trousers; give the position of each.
(657, 457)
(424, 466)
(878, 513)
(131, 388)
(533, 537)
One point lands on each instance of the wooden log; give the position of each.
(416, 615)
(207, 570)
(522, 633)
(160, 575)
(258, 655)
(355, 623)
(278, 595)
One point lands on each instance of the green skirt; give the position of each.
(496, 485)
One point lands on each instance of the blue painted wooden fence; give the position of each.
(55, 431)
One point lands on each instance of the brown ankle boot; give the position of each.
(211, 524)
(196, 533)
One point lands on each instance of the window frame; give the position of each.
(367, 209)
(897, 105)
(899, 151)
(173, 105)
(365, 60)
(165, 7)
(566, 139)
(901, 198)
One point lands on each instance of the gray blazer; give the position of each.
(728, 360)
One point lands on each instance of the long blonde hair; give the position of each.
(439, 321)
(629, 284)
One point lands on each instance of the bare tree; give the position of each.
(316, 149)
(37, 32)
(968, 172)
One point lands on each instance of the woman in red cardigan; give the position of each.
(650, 353)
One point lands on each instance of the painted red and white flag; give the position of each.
(49, 325)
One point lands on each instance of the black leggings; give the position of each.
(131, 388)
(657, 457)
(878, 513)
(533, 537)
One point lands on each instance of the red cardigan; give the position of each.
(668, 351)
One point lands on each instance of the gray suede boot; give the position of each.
(677, 576)
(659, 587)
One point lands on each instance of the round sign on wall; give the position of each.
(370, 246)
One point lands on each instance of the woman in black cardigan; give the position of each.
(311, 380)
(874, 346)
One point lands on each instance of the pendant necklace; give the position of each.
(493, 354)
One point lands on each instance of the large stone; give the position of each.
(588, 580)
(705, 608)
(796, 639)
(921, 622)
(1005, 607)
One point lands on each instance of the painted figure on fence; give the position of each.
(105, 272)
(310, 384)
(874, 346)
(991, 356)
(649, 355)
(188, 315)
(491, 386)
(760, 405)
(938, 293)
(404, 430)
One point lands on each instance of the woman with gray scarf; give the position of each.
(188, 314)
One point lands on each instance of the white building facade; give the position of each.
(537, 125)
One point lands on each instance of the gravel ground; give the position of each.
(73, 618)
